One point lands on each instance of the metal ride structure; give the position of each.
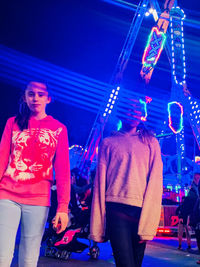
(178, 70)
(156, 40)
(113, 95)
(91, 146)
(182, 104)
(186, 106)
(16, 68)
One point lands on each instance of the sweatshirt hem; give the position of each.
(95, 238)
(146, 237)
(26, 201)
(126, 201)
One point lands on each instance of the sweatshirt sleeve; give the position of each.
(62, 171)
(5, 146)
(97, 219)
(151, 208)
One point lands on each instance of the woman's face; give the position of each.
(36, 97)
(132, 113)
(133, 118)
(130, 124)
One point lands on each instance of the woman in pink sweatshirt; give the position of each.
(127, 192)
(32, 145)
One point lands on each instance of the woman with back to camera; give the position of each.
(127, 191)
(32, 144)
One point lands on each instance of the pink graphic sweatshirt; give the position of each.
(28, 158)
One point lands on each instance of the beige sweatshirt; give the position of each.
(128, 172)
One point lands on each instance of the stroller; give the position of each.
(61, 245)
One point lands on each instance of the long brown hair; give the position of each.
(144, 134)
(23, 114)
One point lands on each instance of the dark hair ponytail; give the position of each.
(144, 134)
(23, 115)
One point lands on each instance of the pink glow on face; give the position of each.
(36, 97)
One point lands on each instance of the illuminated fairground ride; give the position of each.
(100, 98)
(168, 34)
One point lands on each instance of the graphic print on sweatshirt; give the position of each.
(33, 152)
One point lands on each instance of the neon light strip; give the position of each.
(170, 119)
(177, 39)
(144, 118)
(111, 101)
(149, 48)
(148, 99)
(119, 125)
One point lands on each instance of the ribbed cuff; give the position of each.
(63, 207)
(146, 237)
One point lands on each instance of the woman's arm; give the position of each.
(97, 219)
(62, 175)
(151, 208)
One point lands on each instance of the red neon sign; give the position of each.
(175, 124)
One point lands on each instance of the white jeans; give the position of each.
(33, 220)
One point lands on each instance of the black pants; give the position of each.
(122, 227)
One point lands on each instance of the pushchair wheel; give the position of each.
(65, 255)
(50, 252)
(94, 252)
(58, 254)
(47, 252)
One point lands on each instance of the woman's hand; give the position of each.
(60, 222)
